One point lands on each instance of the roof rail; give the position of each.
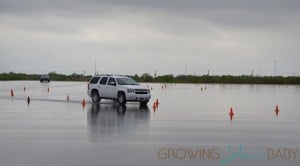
(103, 74)
(111, 75)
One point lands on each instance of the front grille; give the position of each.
(141, 91)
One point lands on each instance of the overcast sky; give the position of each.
(138, 36)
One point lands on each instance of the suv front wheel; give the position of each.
(95, 97)
(121, 98)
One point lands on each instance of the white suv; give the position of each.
(117, 87)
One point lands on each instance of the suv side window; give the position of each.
(103, 81)
(112, 81)
(94, 80)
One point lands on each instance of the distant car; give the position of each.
(45, 78)
(119, 88)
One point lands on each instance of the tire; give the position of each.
(121, 98)
(95, 97)
(144, 103)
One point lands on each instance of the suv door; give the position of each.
(111, 88)
(102, 87)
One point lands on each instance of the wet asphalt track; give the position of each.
(52, 131)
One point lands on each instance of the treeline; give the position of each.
(73, 77)
(243, 79)
(18, 76)
(53, 75)
(224, 79)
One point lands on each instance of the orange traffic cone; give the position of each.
(28, 100)
(83, 102)
(276, 110)
(231, 114)
(154, 107)
(156, 102)
(12, 93)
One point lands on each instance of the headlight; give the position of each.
(130, 90)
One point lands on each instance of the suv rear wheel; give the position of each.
(121, 98)
(95, 97)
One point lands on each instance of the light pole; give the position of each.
(275, 68)
(185, 67)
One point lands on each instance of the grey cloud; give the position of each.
(209, 33)
(230, 12)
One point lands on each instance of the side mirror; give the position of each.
(112, 83)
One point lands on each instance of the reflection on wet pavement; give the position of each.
(114, 122)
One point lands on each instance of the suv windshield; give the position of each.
(126, 81)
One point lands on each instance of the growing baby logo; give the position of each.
(239, 154)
